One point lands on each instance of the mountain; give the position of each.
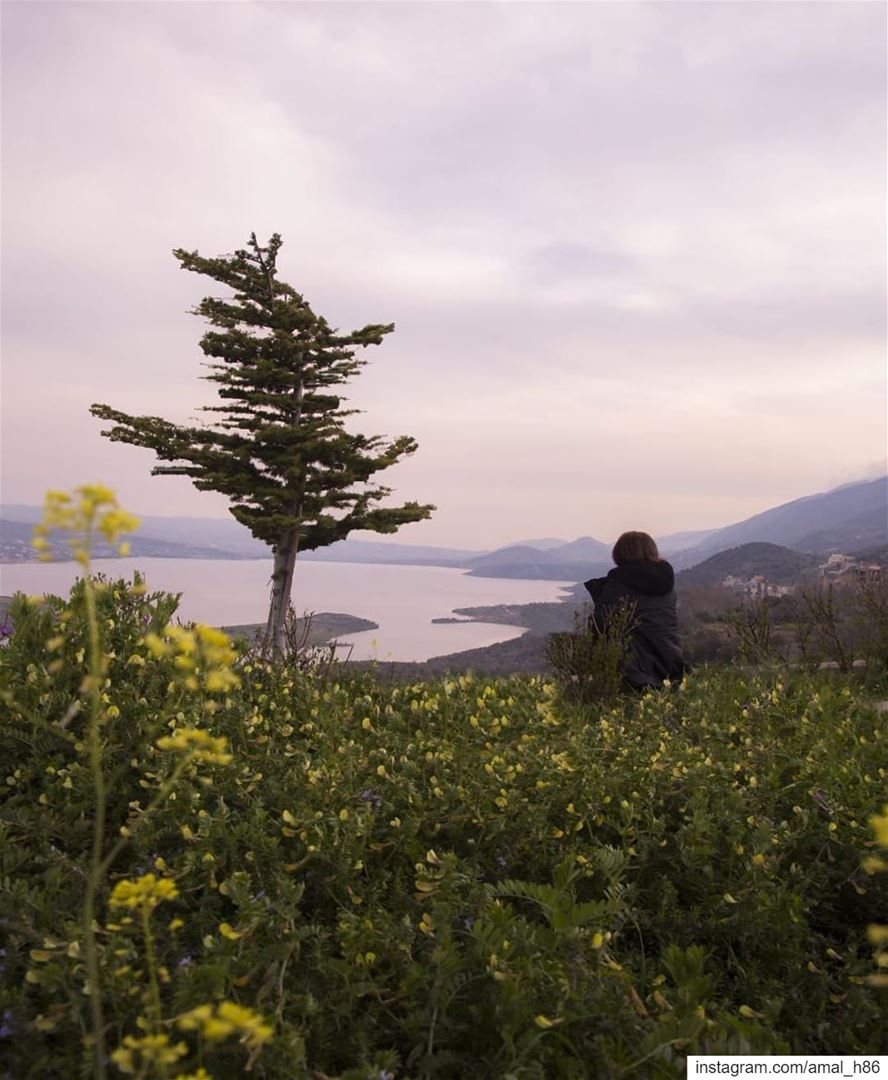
(851, 519)
(508, 556)
(545, 543)
(370, 551)
(544, 571)
(848, 519)
(680, 541)
(16, 537)
(575, 561)
(779, 565)
(586, 547)
(224, 538)
(860, 533)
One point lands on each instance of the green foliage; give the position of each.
(465, 877)
(589, 663)
(278, 447)
(776, 563)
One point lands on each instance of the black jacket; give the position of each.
(655, 647)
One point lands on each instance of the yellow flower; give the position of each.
(544, 1022)
(81, 518)
(196, 1018)
(878, 935)
(96, 494)
(220, 679)
(115, 522)
(200, 745)
(251, 1025)
(879, 823)
(144, 894)
(202, 650)
(138, 1055)
(228, 1018)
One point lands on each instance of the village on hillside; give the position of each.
(838, 567)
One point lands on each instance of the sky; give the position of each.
(634, 252)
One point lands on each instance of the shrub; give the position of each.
(589, 662)
(312, 875)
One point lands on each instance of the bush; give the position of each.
(212, 863)
(589, 663)
(845, 624)
(461, 877)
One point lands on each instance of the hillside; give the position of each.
(845, 519)
(779, 565)
(543, 571)
(16, 536)
(220, 538)
(578, 560)
(852, 519)
(514, 554)
(854, 537)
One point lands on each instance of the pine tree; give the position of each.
(278, 447)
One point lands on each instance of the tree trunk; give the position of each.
(285, 552)
(281, 585)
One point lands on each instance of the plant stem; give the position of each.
(96, 870)
(159, 798)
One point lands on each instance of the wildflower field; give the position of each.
(214, 866)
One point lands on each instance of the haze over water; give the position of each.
(401, 599)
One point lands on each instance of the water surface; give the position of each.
(401, 599)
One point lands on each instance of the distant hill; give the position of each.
(858, 534)
(545, 543)
(576, 561)
(586, 547)
(851, 519)
(543, 571)
(508, 556)
(847, 519)
(16, 537)
(681, 541)
(224, 538)
(874, 555)
(371, 551)
(779, 565)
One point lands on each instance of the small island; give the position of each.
(324, 627)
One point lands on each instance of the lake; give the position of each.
(401, 599)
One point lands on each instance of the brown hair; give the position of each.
(635, 547)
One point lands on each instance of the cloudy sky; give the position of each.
(634, 252)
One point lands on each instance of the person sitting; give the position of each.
(645, 583)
